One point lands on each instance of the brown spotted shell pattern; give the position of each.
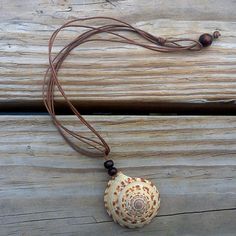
(131, 202)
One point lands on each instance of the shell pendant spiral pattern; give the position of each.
(131, 202)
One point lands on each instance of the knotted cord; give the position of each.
(99, 145)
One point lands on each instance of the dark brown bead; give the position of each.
(216, 34)
(112, 171)
(205, 40)
(108, 164)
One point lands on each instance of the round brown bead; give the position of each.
(108, 164)
(112, 171)
(205, 40)
(216, 34)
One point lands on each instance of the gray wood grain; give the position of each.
(120, 75)
(47, 188)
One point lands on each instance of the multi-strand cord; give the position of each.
(97, 146)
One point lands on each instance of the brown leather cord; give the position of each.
(98, 146)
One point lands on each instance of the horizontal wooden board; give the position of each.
(112, 75)
(47, 188)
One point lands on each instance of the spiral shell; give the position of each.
(131, 202)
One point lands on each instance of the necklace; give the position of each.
(131, 202)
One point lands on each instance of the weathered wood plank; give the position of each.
(49, 189)
(120, 75)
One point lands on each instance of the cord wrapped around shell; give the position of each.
(131, 202)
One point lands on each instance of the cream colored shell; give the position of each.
(131, 202)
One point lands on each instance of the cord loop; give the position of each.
(158, 44)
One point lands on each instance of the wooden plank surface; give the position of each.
(120, 75)
(46, 188)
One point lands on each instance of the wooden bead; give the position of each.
(216, 34)
(205, 40)
(108, 164)
(112, 171)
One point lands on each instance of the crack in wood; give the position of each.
(98, 2)
(54, 218)
(197, 212)
(109, 221)
(92, 3)
(110, 2)
(30, 213)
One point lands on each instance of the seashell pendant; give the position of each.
(131, 202)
